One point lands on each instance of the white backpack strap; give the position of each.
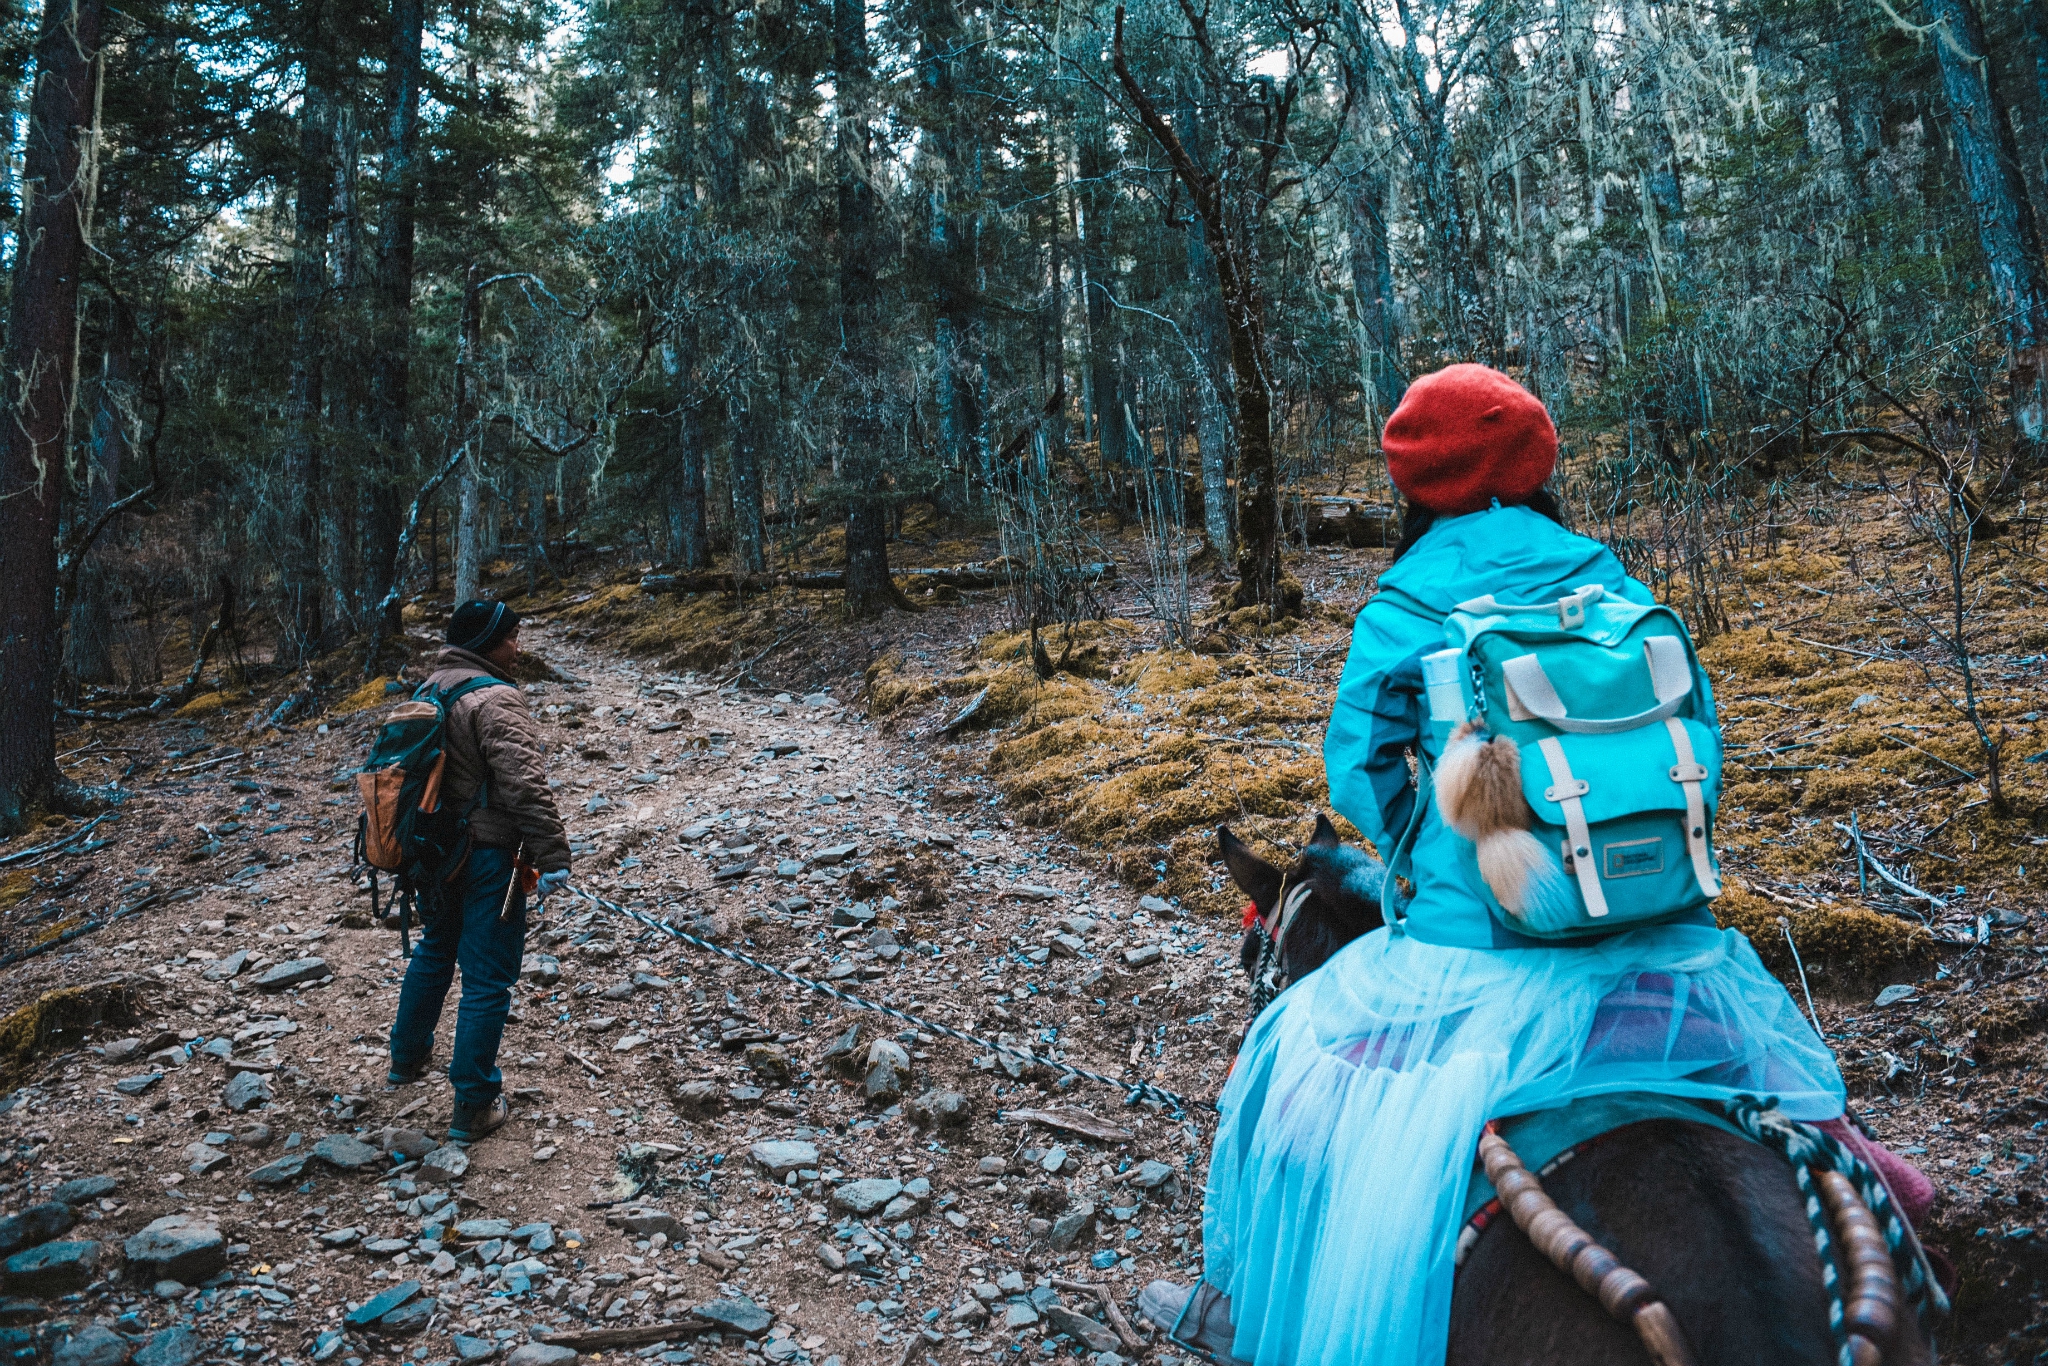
(1689, 773)
(1566, 791)
(1570, 609)
(1532, 696)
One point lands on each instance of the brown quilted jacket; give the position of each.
(492, 730)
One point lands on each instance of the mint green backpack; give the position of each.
(1620, 754)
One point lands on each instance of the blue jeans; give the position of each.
(466, 933)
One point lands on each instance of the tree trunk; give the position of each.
(42, 329)
(864, 467)
(469, 485)
(1367, 193)
(1213, 396)
(91, 644)
(1229, 228)
(689, 523)
(2005, 223)
(748, 419)
(948, 165)
(1097, 199)
(391, 353)
(304, 588)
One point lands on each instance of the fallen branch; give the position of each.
(1932, 755)
(204, 763)
(53, 845)
(586, 1064)
(76, 931)
(382, 611)
(73, 558)
(1904, 887)
(976, 574)
(1134, 1346)
(639, 1335)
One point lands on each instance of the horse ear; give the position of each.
(1326, 836)
(1259, 879)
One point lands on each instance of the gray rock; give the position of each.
(940, 1108)
(176, 1247)
(1142, 956)
(230, 966)
(542, 969)
(779, 1157)
(407, 1319)
(406, 1143)
(641, 1222)
(541, 1354)
(842, 1055)
(833, 855)
(347, 1153)
(120, 1050)
(291, 974)
(888, 1072)
(282, 1172)
(1082, 1329)
(1892, 995)
(1054, 1159)
(700, 1097)
(382, 1303)
(246, 1091)
(84, 1188)
(738, 1315)
(96, 1344)
(205, 1158)
(1073, 1226)
(328, 1345)
(175, 1346)
(477, 1230)
(52, 1269)
(770, 1062)
(1152, 1175)
(338, 1237)
(136, 1085)
(446, 1163)
(253, 1135)
(168, 1290)
(387, 1247)
(868, 1195)
(1154, 905)
(36, 1224)
(469, 1349)
(1019, 1314)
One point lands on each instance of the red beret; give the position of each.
(1467, 435)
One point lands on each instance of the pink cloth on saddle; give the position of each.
(1907, 1183)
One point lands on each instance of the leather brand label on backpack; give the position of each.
(1632, 858)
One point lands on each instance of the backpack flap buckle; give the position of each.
(1571, 608)
(1689, 773)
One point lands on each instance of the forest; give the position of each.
(935, 449)
(313, 304)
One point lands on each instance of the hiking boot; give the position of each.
(397, 1076)
(472, 1122)
(1195, 1317)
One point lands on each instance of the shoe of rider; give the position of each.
(1195, 1317)
(496, 772)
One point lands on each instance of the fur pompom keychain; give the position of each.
(1479, 787)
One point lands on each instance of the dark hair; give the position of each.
(1417, 519)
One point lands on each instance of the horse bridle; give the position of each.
(1269, 978)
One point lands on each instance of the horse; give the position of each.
(1715, 1223)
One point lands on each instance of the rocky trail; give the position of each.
(704, 1163)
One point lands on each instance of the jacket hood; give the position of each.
(454, 657)
(1511, 552)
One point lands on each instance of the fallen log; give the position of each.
(978, 574)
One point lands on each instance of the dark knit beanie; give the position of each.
(477, 626)
(1467, 435)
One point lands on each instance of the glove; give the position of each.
(549, 884)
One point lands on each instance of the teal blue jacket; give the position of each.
(1382, 713)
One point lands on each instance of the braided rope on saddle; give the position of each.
(1626, 1296)
(1867, 1250)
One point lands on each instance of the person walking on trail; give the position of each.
(496, 771)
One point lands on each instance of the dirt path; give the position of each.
(645, 1079)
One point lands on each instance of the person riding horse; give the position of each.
(1338, 1179)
